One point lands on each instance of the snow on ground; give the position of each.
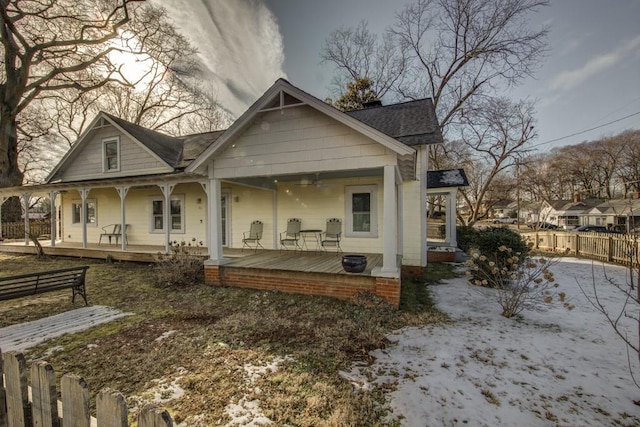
(550, 368)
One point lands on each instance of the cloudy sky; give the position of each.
(591, 76)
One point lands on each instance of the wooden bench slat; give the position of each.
(44, 281)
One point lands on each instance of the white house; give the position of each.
(290, 155)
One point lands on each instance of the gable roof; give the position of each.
(365, 125)
(412, 123)
(168, 148)
(447, 178)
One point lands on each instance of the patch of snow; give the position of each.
(550, 367)
(165, 335)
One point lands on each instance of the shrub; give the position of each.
(466, 235)
(181, 267)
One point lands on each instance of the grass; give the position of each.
(218, 333)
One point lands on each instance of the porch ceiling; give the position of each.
(270, 182)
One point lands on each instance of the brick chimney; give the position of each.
(576, 198)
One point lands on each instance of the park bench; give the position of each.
(45, 281)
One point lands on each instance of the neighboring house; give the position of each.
(503, 209)
(617, 214)
(290, 155)
(566, 214)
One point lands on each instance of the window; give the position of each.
(361, 211)
(76, 211)
(111, 154)
(176, 214)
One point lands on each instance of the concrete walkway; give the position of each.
(24, 335)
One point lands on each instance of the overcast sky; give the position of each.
(590, 77)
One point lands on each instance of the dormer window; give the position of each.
(111, 154)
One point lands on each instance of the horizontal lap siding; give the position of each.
(134, 159)
(298, 140)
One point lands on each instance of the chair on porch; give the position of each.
(333, 234)
(253, 236)
(112, 230)
(291, 237)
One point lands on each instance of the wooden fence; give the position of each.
(621, 249)
(15, 230)
(44, 409)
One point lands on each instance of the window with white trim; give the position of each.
(176, 214)
(361, 211)
(111, 155)
(76, 211)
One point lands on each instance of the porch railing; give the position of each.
(15, 230)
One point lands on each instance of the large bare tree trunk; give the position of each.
(10, 174)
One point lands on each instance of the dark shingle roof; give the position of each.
(195, 144)
(447, 178)
(412, 123)
(168, 148)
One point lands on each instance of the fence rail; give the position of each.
(621, 249)
(15, 230)
(44, 409)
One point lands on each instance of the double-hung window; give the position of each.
(176, 214)
(111, 155)
(76, 211)
(361, 211)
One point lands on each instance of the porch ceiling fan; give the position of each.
(314, 182)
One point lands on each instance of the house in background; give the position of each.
(616, 214)
(290, 155)
(504, 209)
(566, 214)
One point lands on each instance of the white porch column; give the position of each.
(122, 192)
(276, 240)
(84, 193)
(53, 217)
(25, 207)
(400, 216)
(452, 198)
(207, 225)
(2, 200)
(214, 195)
(167, 189)
(422, 225)
(390, 221)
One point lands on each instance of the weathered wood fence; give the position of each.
(15, 230)
(621, 249)
(44, 409)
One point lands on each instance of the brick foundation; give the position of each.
(340, 286)
(441, 256)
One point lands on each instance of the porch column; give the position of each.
(207, 225)
(451, 218)
(167, 189)
(53, 217)
(214, 194)
(2, 200)
(276, 240)
(25, 206)
(390, 231)
(84, 193)
(400, 216)
(422, 219)
(122, 192)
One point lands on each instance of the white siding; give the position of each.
(298, 140)
(134, 159)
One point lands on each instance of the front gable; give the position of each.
(106, 150)
(289, 131)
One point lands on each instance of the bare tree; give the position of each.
(45, 47)
(496, 133)
(629, 165)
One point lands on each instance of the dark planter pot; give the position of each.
(354, 263)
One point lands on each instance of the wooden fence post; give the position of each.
(44, 399)
(3, 397)
(15, 371)
(111, 409)
(75, 401)
(152, 416)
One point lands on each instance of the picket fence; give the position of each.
(621, 249)
(44, 409)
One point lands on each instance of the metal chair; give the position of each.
(333, 234)
(253, 236)
(292, 235)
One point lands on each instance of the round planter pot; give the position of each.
(354, 263)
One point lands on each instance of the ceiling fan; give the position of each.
(314, 183)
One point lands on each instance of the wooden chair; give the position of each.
(253, 236)
(291, 237)
(333, 234)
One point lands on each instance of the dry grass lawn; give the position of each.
(206, 340)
